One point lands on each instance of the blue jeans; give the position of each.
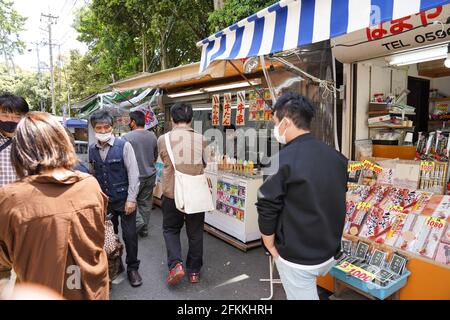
(301, 284)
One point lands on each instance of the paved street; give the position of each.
(227, 273)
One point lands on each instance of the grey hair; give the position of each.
(101, 116)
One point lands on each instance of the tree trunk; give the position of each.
(144, 52)
(218, 4)
(163, 53)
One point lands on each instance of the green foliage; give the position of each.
(234, 11)
(11, 24)
(27, 85)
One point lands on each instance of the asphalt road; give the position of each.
(227, 273)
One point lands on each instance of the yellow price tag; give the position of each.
(362, 274)
(363, 206)
(345, 266)
(435, 222)
(427, 166)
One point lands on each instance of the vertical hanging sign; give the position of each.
(226, 118)
(240, 112)
(215, 110)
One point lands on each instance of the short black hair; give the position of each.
(181, 112)
(138, 117)
(101, 116)
(13, 104)
(295, 107)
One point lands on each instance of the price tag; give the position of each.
(362, 274)
(363, 206)
(397, 209)
(345, 266)
(434, 222)
(354, 166)
(427, 166)
(371, 166)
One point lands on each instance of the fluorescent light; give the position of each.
(185, 94)
(233, 86)
(429, 54)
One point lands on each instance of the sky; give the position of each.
(63, 32)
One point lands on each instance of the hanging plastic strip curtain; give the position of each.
(289, 24)
(125, 100)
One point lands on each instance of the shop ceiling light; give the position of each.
(185, 94)
(447, 61)
(250, 64)
(429, 54)
(233, 86)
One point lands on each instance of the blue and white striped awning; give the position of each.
(289, 24)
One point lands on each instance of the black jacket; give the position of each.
(303, 202)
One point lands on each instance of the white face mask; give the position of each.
(276, 133)
(103, 137)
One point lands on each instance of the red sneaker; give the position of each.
(176, 274)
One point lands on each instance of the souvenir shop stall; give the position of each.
(397, 234)
(239, 95)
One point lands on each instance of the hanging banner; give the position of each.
(260, 105)
(398, 35)
(150, 117)
(252, 106)
(215, 110)
(226, 117)
(240, 112)
(268, 105)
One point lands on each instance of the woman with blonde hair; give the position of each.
(52, 221)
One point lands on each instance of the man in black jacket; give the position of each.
(301, 206)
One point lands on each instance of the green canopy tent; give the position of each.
(116, 102)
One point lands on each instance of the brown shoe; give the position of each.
(176, 274)
(194, 277)
(135, 278)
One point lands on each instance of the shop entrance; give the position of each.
(419, 98)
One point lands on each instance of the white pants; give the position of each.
(300, 284)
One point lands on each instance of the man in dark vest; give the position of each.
(114, 164)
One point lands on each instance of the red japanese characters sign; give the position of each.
(240, 112)
(394, 36)
(215, 110)
(226, 117)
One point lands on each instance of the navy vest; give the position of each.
(111, 174)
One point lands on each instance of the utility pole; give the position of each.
(51, 20)
(37, 44)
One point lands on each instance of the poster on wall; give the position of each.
(240, 112)
(215, 110)
(260, 105)
(226, 116)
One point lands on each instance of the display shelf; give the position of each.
(390, 127)
(440, 99)
(390, 112)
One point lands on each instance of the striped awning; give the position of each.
(289, 24)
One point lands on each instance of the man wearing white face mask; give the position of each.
(114, 165)
(301, 206)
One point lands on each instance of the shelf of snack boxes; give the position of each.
(425, 271)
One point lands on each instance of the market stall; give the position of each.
(378, 98)
(397, 206)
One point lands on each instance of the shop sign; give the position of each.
(436, 223)
(215, 110)
(226, 117)
(240, 112)
(394, 36)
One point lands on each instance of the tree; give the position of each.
(26, 84)
(11, 24)
(235, 10)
